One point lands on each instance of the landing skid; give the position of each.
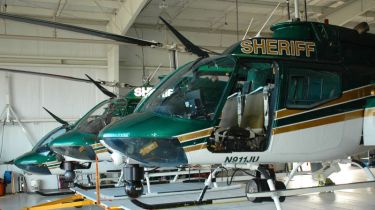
(273, 194)
(307, 190)
(276, 194)
(187, 203)
(289, 192)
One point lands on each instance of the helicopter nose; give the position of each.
(32, 163)
(164, 152)
(77, 152)
(75, 144)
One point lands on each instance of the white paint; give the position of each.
(142, 91)
(320, 143)
(369, 128)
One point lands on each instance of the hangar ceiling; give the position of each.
(191, 15)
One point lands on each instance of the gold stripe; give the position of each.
(347, 96)
(319, 122)
(53, 162)
(96, 145)
(101, 151)
(194, 135)
(196, 147)
(370, 112)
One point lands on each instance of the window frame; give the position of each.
(319, 69)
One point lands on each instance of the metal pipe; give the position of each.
(237, 31)
(296, 9)
(97, 180)
(288, 8)
(174, 61)
(305, 10)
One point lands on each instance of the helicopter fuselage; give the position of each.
(306, 94)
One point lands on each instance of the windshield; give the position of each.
(194, 91)
(103, 114)
(94, 120)
(49, 137)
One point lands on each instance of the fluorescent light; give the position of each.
(336, 4)
(313, 2)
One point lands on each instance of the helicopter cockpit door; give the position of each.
(369, 124)
(245, 115)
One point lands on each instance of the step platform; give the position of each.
(164, 193)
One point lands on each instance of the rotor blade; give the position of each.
(45, 74)
(58, 119)
(101, 88)
(106, 83)
(190, 47)
(7, 162)
(210, 51)
(79, 29)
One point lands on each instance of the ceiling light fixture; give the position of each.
(163, 4)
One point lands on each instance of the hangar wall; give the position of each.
(28, 93)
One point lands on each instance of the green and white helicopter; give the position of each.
(81, 144)
(306, 94)
(43, 160)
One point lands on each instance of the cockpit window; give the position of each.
(93, 121)
(43, 143)
(103, 114)
(193, 92)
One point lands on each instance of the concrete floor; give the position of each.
(344, 199)
(22, 200)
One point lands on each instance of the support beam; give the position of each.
(60, 8)
(350, 11)
(120, 23)
(125, 16)
(113, 57)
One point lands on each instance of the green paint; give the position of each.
(34, 160)
(324, 112)
(151, 125)
(74, 138)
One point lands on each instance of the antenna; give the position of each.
(151, 75)
(269, 18)
(247, 30)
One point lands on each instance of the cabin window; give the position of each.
(308, 88)
(194, 92)
(42, 145)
